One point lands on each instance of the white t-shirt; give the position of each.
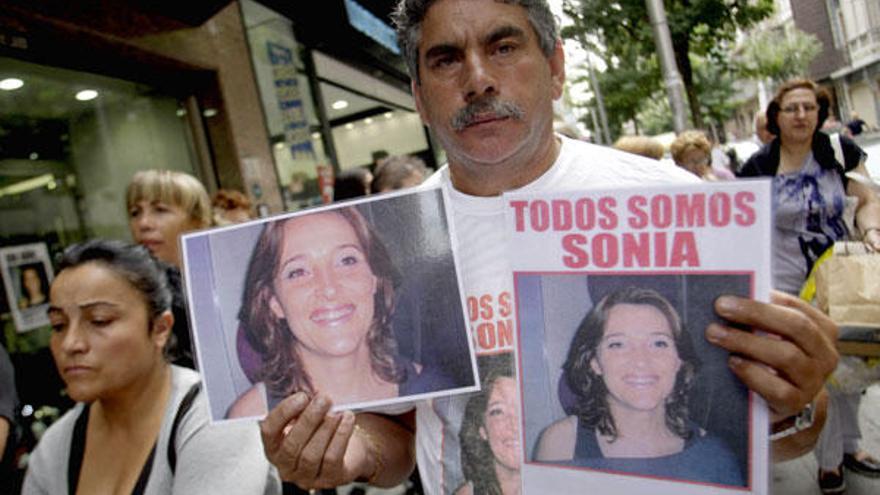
(488, 284)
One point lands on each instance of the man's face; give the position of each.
(485, 87)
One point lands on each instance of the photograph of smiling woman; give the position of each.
(283, 370)
(630, 371)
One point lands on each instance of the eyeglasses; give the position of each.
(794, 107)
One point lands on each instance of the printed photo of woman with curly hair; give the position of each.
(318, 309)
(621, 389)
(631, 367)
(489, 435)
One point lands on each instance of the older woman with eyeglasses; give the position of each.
(810, 183)
(811, 190)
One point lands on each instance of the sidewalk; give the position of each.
(798, 477)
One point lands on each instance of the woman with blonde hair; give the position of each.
(692, 151)
(163, 205)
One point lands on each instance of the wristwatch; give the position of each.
(793, 424)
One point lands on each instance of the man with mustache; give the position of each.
(485, 74)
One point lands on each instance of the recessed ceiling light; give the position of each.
(388, 115)
(34, 156)
(11, 84)
(279, 145)
(349, 126)
(368, 121)
(316, 135)
(339, 104)
(210, 112)
(86, 95)
(180, 112)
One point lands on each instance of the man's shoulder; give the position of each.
(590, 165)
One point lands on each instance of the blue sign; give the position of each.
(364, 21)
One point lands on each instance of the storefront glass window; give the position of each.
(70, 142)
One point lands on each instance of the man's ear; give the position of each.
(417, 95)
(162, 326)
(557, 69)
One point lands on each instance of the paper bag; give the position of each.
(848, 285)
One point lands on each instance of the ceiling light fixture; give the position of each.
(339, 104)
(349, 126)
(368, 121)
(86, 95)
(11, 84)
(388, 115)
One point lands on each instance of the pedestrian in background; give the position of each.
(641, 145)
(810, 193)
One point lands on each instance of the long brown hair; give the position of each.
(282, 368)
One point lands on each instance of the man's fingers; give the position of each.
(784, 398)
(781, 355)
(272, 428)
(333, 465)
(312, 454)
(802, 325)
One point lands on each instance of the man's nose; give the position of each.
(478, 77)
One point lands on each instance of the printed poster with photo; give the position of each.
(27, 273)
(359, 300)
(620, 390)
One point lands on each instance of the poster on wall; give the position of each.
(27, 273)
(620, 390)
(358, 300)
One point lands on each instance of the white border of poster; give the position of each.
(428, 321)
(690, 244)
(12, 260)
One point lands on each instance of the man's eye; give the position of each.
(506, 49)
(134, 213)
(58, 326)
(443, 62)
(101, 322)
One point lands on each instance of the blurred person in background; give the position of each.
(352, 183)
(140, 424)
(8, 408)
(398, 172)
(856, 125)
(230, 206)
(763, 135)
(692, 151)
(163, 205)
(810, 193)
(641, 145)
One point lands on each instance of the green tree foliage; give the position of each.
(778, 55)
(697, 27)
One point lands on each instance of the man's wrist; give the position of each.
(794, 424)
(375, 463)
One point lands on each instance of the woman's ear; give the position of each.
(162, 326)
(594, 365)
(276, 308)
